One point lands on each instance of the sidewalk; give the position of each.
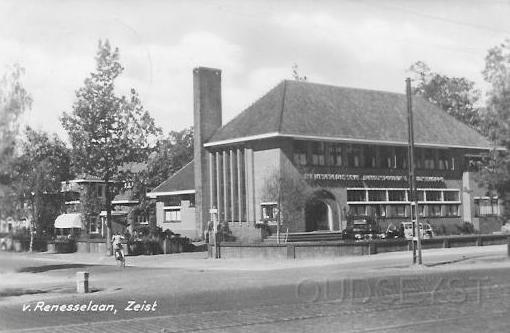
(199, 260)
(193, 273)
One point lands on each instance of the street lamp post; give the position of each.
(417, 258)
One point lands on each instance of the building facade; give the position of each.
(307, 156)
(82, 192)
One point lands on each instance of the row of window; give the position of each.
(369, 156)
(487, 207)
(384, 195)
(404, 211)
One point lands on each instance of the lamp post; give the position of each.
(417, 257)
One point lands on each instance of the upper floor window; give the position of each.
(370, 156)
(101, 190)
(386, 158)
(318, 153)
(354, 156)
(401, 158)
(356, 195)
(300, 152)
(335, 155)
(444, 161)
(376, 195)
(397, 195)
(429, 159)
(451, 196)
(433, 196)
(418, 162)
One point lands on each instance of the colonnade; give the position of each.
(231, 184)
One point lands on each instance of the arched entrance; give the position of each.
(320, 210)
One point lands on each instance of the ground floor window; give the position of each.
(173, 215)
(451, 210)
(434, 210)
(377, 210)
(397, 211)
(396, 202)
(95, 225)
(358, 210)
(487, 206)
(269, 210)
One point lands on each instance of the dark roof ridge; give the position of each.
(180, 170)
(283, 106)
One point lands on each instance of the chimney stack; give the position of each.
(207, 119)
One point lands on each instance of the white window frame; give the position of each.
(168, 210)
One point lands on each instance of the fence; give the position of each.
(302, 250)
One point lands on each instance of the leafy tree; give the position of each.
(14, 100)
(107, 131)
(295, 74)
(171, 153)
(497, 73)
(455, 95)
(289, 191)
(43, 164)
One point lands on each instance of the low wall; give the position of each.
(91, 245)
(303, 250)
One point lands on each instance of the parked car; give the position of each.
(392, 232)
(361, 229)
(426, 231)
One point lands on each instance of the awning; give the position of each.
(72, 220)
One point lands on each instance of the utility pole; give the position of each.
(417, 258)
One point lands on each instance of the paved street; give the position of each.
(457, 292)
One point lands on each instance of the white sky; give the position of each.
(366, 44)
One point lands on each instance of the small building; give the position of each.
(80, 192)
(310, 155)
(175, 203)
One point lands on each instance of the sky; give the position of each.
(364, 44)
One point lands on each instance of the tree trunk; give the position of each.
(32, 221)
(131, 220)
(109, 251)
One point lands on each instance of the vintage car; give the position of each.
(425, 230)
(360, 229)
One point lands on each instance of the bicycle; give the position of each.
(119, 256)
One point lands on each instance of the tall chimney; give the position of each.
(207, 119)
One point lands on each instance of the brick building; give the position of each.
(315, 154)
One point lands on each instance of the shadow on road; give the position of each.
(46, 268)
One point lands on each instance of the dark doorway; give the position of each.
(319, 211)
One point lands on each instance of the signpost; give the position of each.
(213, 233)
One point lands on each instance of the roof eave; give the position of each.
(337, 139)
(154, 195)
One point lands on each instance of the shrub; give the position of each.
(465, 228)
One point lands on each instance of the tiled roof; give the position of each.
(182, 180)
(295, 108)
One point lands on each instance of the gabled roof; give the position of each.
(309, 110)
(181, 182)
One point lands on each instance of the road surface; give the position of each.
(373, 294)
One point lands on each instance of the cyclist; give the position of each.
(117, 246)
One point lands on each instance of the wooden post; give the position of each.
(82, 282)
